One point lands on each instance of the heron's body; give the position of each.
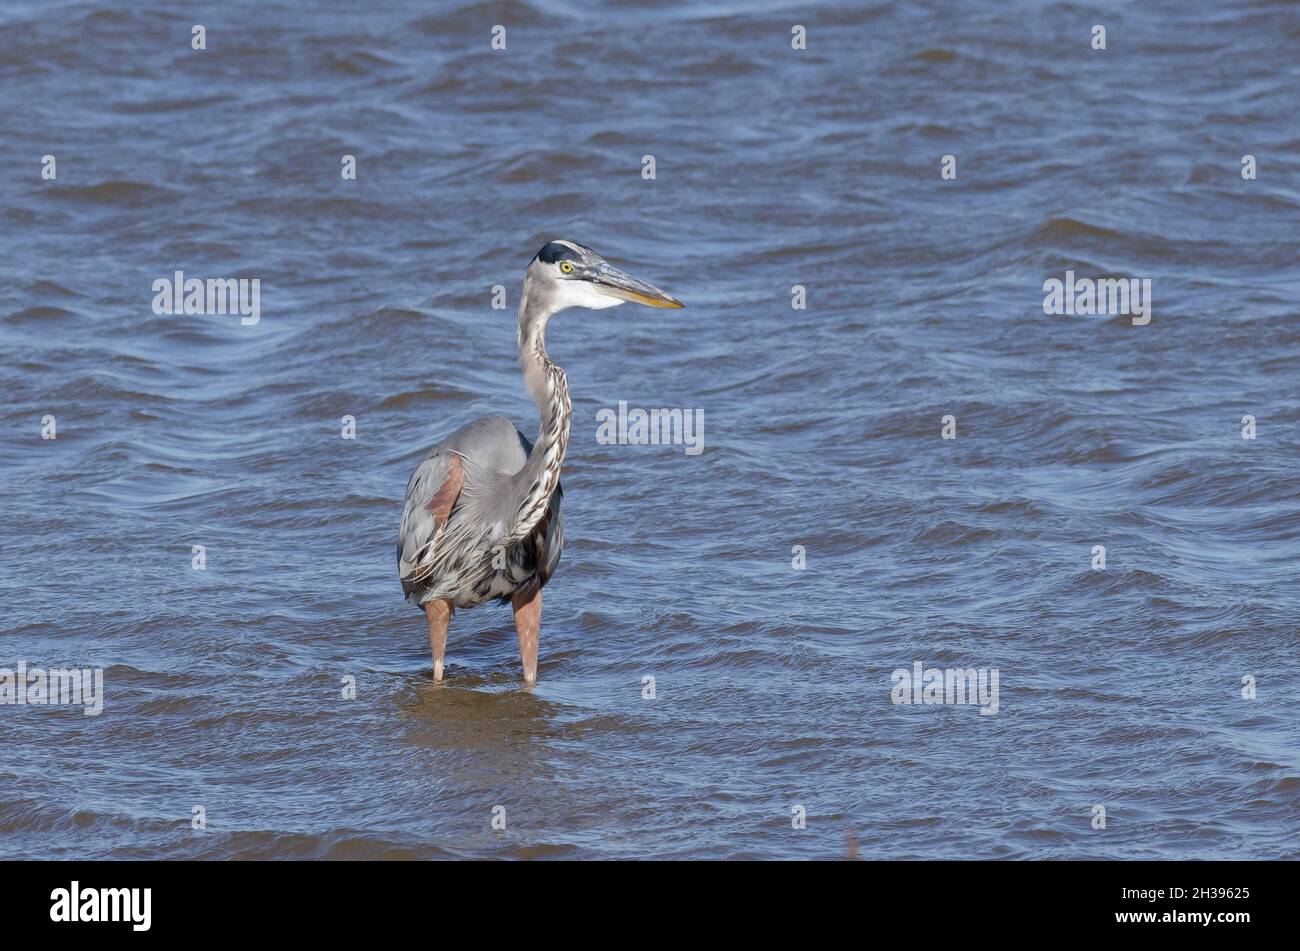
(491, 454)
(482, 519)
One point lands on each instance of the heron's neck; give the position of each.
(546, 382)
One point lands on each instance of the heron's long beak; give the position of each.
(610, 280)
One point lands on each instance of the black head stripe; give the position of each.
(553, 252)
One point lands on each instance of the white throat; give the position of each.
(582, 294)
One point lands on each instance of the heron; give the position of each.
(482, 519)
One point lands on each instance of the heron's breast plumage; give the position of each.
(466, 562)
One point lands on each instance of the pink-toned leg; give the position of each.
(439, 614)
(528, 624)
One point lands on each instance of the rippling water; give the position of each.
(1119, 687)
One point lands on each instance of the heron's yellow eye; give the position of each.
(566, 267)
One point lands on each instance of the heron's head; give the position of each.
(571, 275)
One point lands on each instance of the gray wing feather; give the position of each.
(420, 530)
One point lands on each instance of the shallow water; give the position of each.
(1118, 687)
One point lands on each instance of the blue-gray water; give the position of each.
(1119, 688)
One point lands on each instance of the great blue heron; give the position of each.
(482, 519)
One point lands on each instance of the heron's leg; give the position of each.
(439, 613)
(528, 623)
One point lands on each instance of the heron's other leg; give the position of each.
(439, 613)
(528, 624)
